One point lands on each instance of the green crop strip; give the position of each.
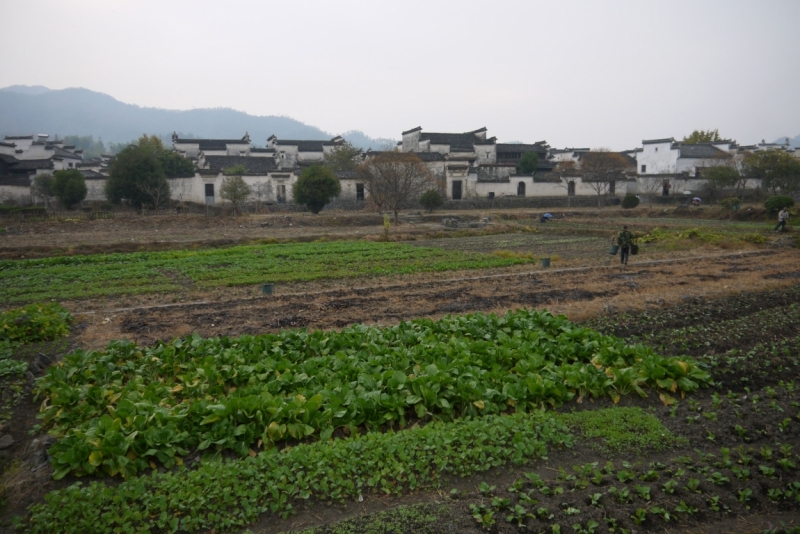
(418, 518)
(32, 324)
(68, 277)
(224, 495)
(121, 410)
(620, 430)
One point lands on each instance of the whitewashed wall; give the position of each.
(17, 193)
(659, 158)
(34, 152)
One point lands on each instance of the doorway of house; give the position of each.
(210, 194)
(521, 189)
(456, 189)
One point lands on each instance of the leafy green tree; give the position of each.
(720, 177)
(779, 170)
(69, 187)
(175, 165)
(42, 187)
(136, 176)
(344, 157)
(317, 186)
(431, 200)
(702, 136)
(528, 162)
(235, 190)
(777, 203)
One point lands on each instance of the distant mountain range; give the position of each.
(36, 109)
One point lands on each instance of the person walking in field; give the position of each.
(783, 217)
(624, 240)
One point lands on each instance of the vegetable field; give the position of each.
(120, 410)
(567, 247)
(73, 277)
(683, 415)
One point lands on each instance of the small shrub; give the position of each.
(779, 202)
(630, 201)
(431, 200)
(33, 323)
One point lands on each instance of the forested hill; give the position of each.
(83, 112)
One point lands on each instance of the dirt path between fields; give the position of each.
(578, 293)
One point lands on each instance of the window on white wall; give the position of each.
(644, 168)
(656, 149)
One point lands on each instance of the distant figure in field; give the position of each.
(783, 218)
(665, 188)
(624, 240)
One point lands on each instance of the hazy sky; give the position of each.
(589, 73)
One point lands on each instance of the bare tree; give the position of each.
(650, 186)
(567, 172)
(42, 188)
(395, 179)
(157, 191)
(600, 168)
(262, 191)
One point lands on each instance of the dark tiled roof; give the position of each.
(15, 179)
(521, 147)
(306, 146)
(195, 141)
(89, 174)
(412, 130)
(253, 165)
(33, 164)
(346, 175)
(61, 153)
(8, 159)
(455, 140)
(267, 150)
(7, 144)
(562, 151)
(492, 180)
(19, 137)
(702, 150)
(430, 156)
(653, 141)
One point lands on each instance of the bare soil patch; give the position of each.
(579, 293)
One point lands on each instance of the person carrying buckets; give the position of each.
(624, 244)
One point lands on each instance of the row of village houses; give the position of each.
(466, 165)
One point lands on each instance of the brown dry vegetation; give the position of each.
(577, 292)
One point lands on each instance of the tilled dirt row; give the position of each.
(578, 293)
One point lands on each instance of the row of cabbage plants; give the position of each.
(126, 408)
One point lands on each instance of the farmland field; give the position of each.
(153, 272)
(540, 245)
(428, 391)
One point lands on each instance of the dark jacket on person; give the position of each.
(625, 238)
